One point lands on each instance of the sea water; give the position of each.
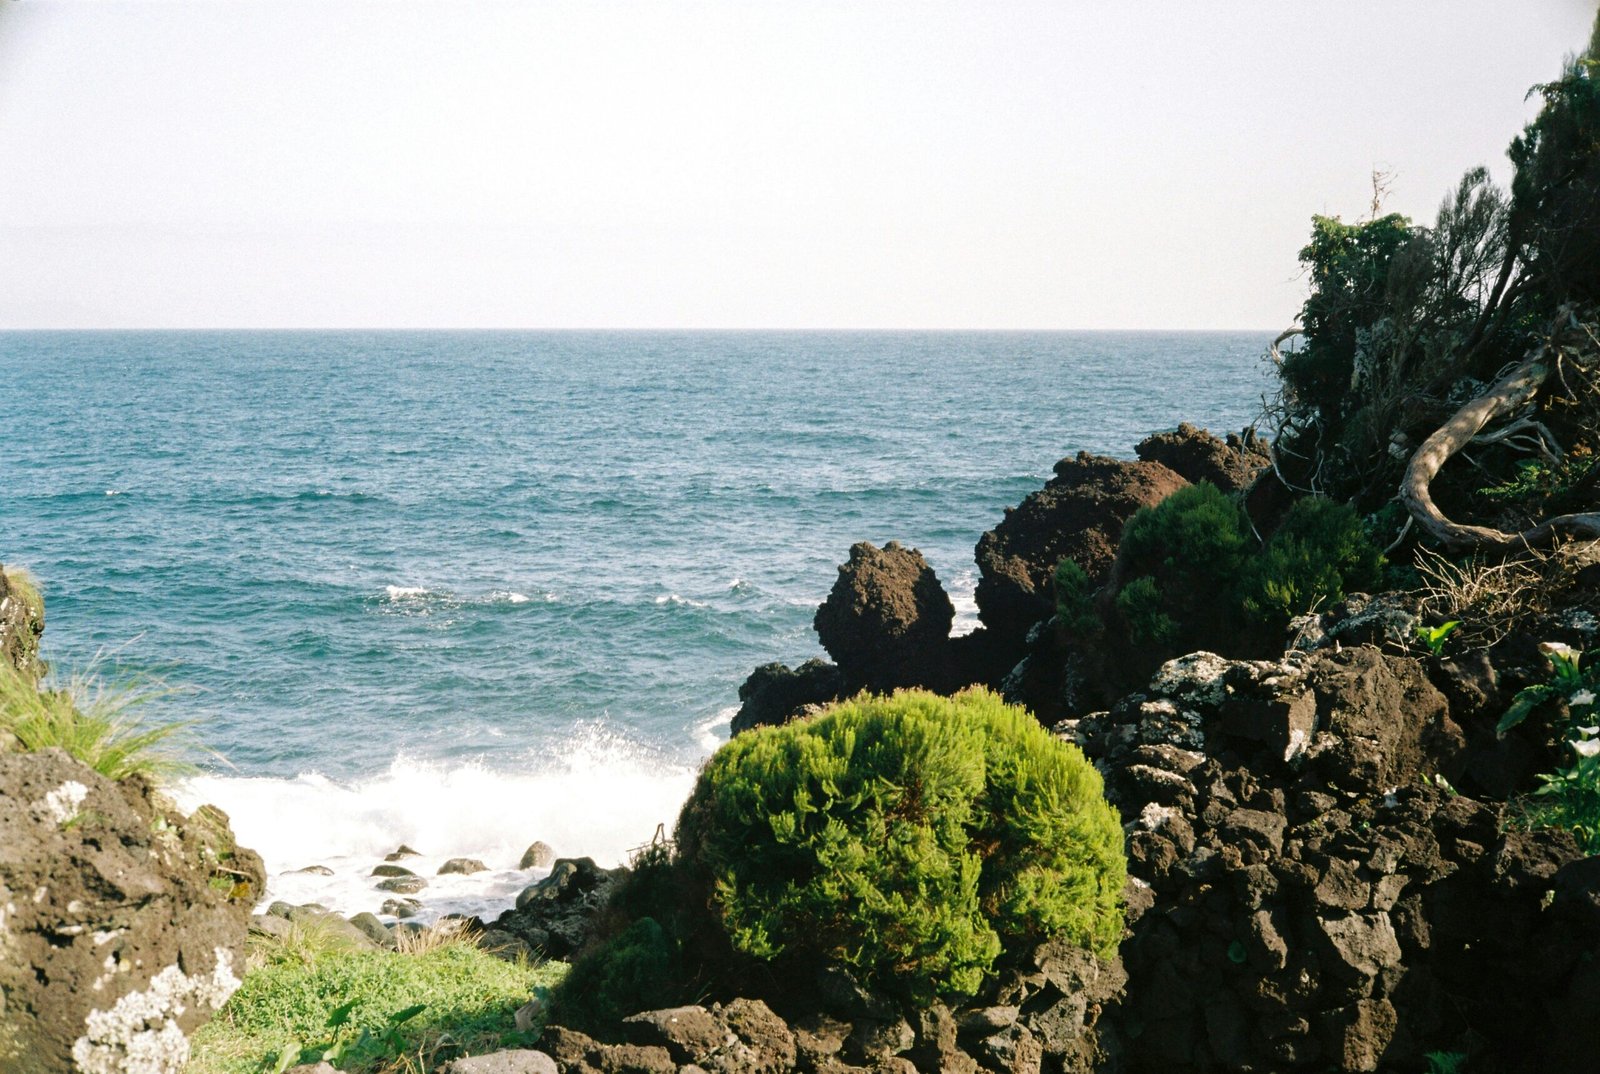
(465, 590)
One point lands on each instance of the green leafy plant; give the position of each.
(1074, 603)
(913, 838)
(1319, 552)
(346, 1043)
(1176, 557)
(1446, 1062)
(101, 724)
(1193, 572)
(1434, 637)
(1569, 797)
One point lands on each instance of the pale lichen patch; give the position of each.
(140, 1033)
(62, 804)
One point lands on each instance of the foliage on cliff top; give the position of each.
(1192, 573)
(913, 838)
(1405, 321)
(468, 998)
(101, 723)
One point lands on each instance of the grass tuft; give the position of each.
(22, 586)
(306, 997)
(102, 724)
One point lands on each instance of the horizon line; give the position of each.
(596, 328)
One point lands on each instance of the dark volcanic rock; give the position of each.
(1315, 900)
(776, 693)
(123, 923)
(1196, 455)
(556, 916)
(886, 622)
(1078, 515)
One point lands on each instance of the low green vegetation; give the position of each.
(23, 587)
(1192, 570)
(1569, 797)
(1074, 599)
(310, 997)
(917, 840)
(1318, 554)
(102, 724)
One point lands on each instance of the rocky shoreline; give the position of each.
(1321, 876)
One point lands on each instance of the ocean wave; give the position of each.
(602, 797)
(683, 602)
(711, 732)
(964, 595)
(406, 592)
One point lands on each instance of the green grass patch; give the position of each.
(309, 998)
(25, 589)
(101, 723)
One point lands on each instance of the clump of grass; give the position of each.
(23, 588)
(103, 724)
(381, 1012)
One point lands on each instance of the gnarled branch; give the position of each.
(1509, 394)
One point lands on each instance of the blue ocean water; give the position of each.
(486, 552)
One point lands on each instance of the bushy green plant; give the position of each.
(913, 838)
(101, 724)
(1320, 552)
(1074, 599)
(1177, 558)
(1569, 797)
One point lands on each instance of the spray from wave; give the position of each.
(602, 798)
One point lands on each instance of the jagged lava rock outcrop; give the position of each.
(21, 624)
(122, 922)
(1196, 455)
(886, 622)
(1314, 897)
(1078, 515)
(777, 693)
(1039, 1015)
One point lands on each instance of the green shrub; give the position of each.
(100, 724)
(1139, 604)
(913, 838)
(1177, 559)
(640, 969)
(1319, 552)
(1074, 603)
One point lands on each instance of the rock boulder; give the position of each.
(122, 922)
(1196, 455)
(1078, 515)
(887, 620)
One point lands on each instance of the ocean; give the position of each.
(465, 590)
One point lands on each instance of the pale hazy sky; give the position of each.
(985, 164)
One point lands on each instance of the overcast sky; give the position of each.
(740, 164)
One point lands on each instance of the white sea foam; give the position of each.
(684, 602)
(405, 592)
(964, 595)
(601, 799)
(713, 731)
